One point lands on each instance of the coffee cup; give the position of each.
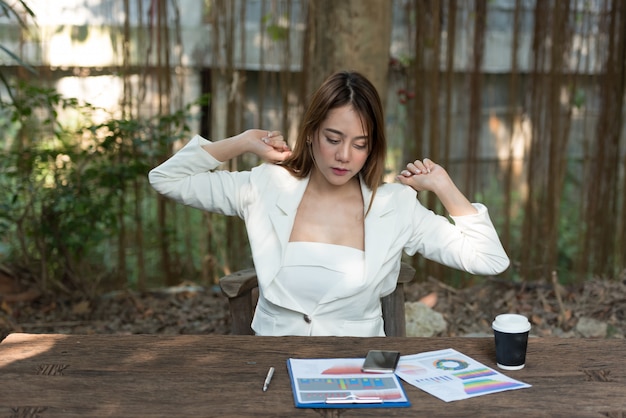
(511, 337)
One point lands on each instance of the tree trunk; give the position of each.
(347, 35)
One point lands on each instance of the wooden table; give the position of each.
(222, 375)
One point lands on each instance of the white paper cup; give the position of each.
(511, 338)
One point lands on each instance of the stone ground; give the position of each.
(596, 308)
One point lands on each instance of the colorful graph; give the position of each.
(344, 369)
(450, 364)
(333, 384)
(321, 389)
(434, 380)
(480, 386)
(473, 374)
(411, 369)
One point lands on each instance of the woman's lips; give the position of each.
(340, 171)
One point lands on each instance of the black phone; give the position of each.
(381, 361)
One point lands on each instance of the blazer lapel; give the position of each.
(379, 224)
(284, 213)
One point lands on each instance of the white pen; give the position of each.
(268, 378)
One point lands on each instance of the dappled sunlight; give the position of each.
(114, 375)
(95, 50)
(164, 350)
(514, 146)
(102, 92)
(18, 347)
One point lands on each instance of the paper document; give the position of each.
(450, 375)
(340, 383)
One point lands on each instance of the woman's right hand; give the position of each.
(270, 146)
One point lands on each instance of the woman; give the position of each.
(326, 236)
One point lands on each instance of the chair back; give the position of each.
(241, 290)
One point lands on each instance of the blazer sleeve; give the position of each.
(469, 243)
(190, 177)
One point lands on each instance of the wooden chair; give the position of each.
(241, 286)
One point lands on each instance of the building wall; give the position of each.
(77, 44)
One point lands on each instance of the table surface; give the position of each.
(50, 375)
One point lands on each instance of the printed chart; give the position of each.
(451, 375)
(323, 383)
(318, 390)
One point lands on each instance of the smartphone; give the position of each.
(381, 361)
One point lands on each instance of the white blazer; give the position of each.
(267, 198)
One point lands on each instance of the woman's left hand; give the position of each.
(424, 175)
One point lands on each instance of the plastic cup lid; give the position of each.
(511, 323)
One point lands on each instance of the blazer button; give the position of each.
(307, 319)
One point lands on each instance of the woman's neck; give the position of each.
(320, 186)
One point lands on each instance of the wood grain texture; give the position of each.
(222, 375)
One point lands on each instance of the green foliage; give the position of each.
(579, 98)
(63, 185)
(40, 185)
(569, 223)
(276, 31)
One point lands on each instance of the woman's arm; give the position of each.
(191, 177)
(270, 146)
(426, 175)
(471, 243)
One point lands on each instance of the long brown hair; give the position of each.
(340, 89)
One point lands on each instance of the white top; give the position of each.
(312, 269)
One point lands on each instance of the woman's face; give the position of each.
(340, 148)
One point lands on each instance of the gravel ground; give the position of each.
(596, 308)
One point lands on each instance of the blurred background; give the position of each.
(521, 101)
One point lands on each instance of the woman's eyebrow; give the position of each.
(336, 132)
